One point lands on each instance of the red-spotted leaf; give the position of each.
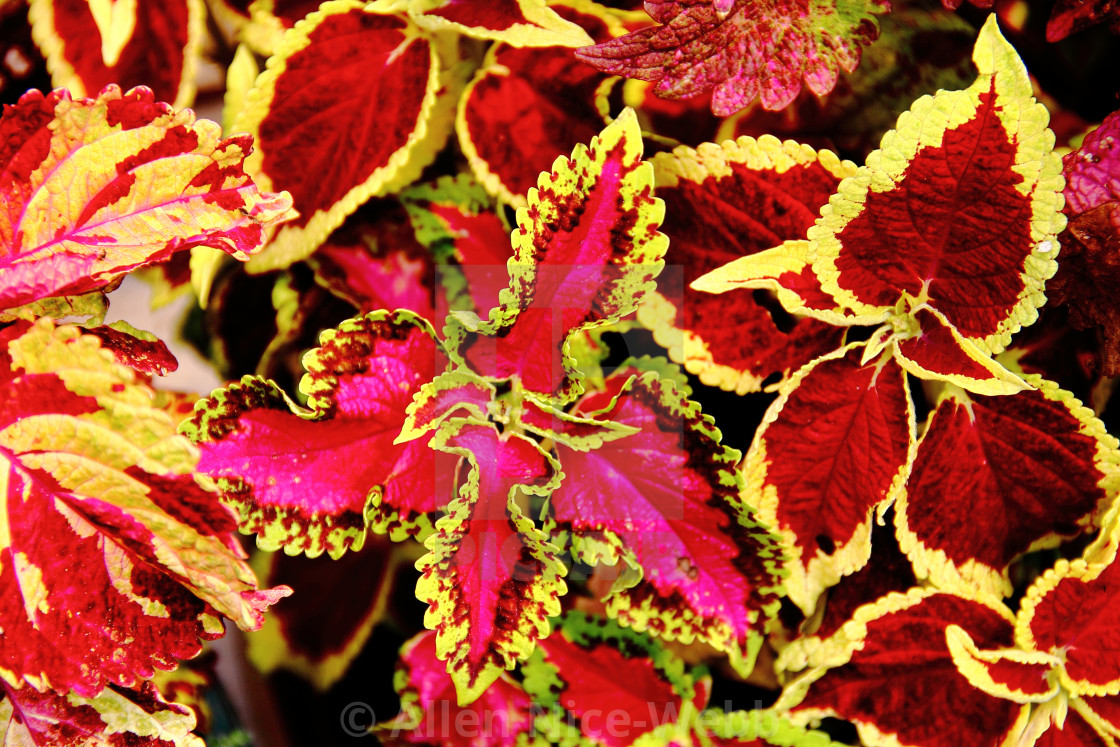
(967, 180)
(490, 578)
(996, 477)
(336, 603)
(141, 351)
(349, 97)
(90, 45)
(668, 500)
(834, 446)
(577, 671)
(1071, 16)
(1090, 268)
(586, 250)
(112, 559)
(723, 203)
(115, 717)
(141, 181)
(312, 480)
(520, 23)
(525, 107)
(742, 50)
(890, 671)
(431, 715)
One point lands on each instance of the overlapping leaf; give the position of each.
(490, 579)
(112, 559)
(519, 23)
(349, 82)
(742, 50)
(95, 188)
(722, 203)
(995, 477)
(668, 500)
(835, 446)
(90, 45)
(310, 480)
(586, 250)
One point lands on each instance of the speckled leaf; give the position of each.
(159, 49)
(490, 578)
(348, 97)
(312, 480)
(519, 23)
(141, 351)
(967, 180)
(834, 446)
(742, 50)
(996, 477)
(890, 672)
(668, 499)
(95, 188)
(112, 559)
(723, 203)
(431, 715)
(117, 717)
(586, 250)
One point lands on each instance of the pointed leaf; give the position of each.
(967, 180)
(321, 75)
(742, 50)
(724, 203)
(585, 252)
(141, 181)
(310, 480)
(97, 488)
(671, 499)
(161, 52)
(834, 446)
(490, 578)
(996, 477)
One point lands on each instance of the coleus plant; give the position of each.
(919, 540)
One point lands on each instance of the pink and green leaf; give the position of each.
(98, 487)
(742, 51)
(313, 480)
(724, 203)
(157, 45)
(586, 250)
(491, 579)
(997, 477)
(669, 500)
(321, 74)
(835, 446)
(957, 160)
(141, 181)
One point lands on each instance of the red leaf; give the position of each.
(743, 51)
(1071, 16)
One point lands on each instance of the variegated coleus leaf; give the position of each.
(98, 487)
(519, 23)
(889, 670)
(967, 179)
(586, 249)
(543, 95)
(317, 99)
(269, 20)
(94, 188)
(835, 446)
(91, 44)
(322, 629)
(722, 203)
(490, 579)
(312, 480)
(1090, 268)
(742, 50)
(609, 684)
(667, 499)
(996, 477)
(430, 712)
(117, 717)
